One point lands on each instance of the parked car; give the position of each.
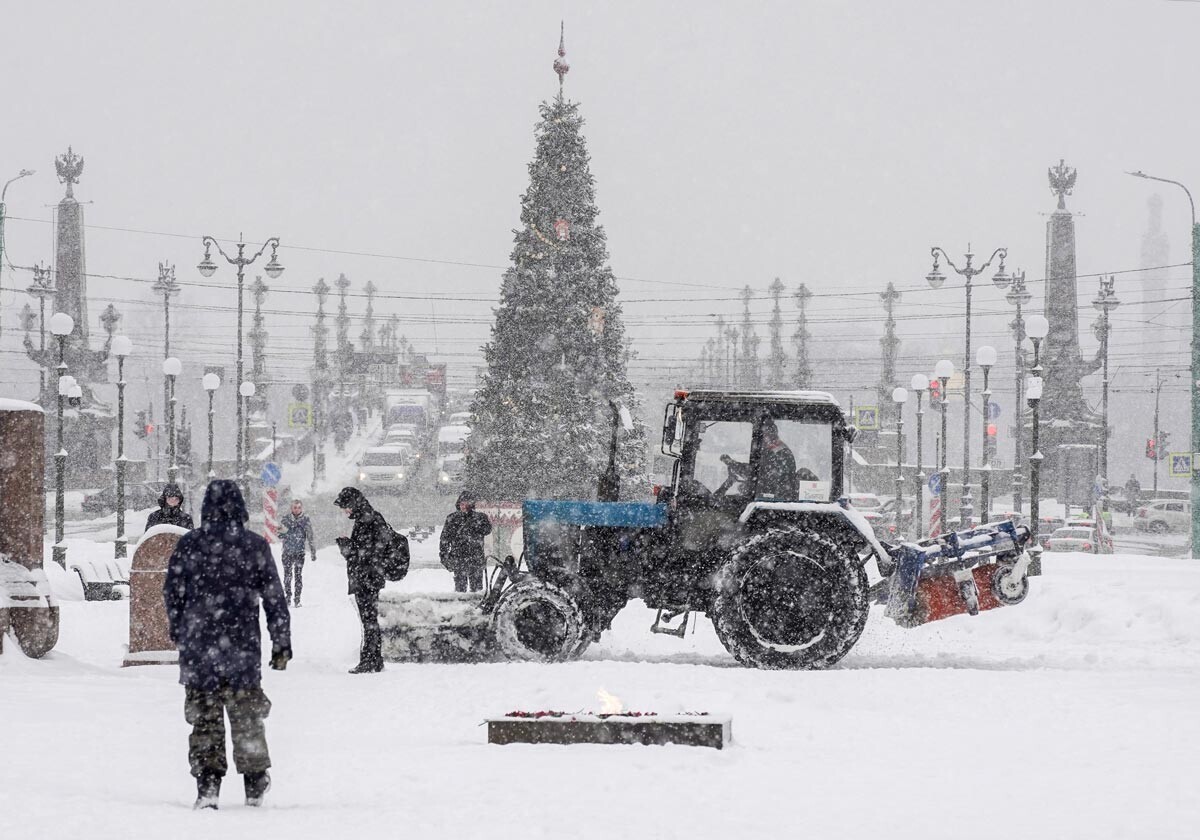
(386, 467)
(137, 497)
(1163, 515)
(1047, 525)
(1077, 537)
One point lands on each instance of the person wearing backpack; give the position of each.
(461, 546)
(366, 551)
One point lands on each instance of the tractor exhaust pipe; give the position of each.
(609, 487)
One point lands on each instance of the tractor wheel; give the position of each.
(538, 622)
(791, 599)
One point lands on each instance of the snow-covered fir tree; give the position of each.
(557, 357)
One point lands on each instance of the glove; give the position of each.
(313, 557)
(280, 655)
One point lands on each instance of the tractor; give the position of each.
(753, 531)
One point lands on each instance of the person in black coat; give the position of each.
(461, 547)
(364, 551)
(170, 509)
(215, 579)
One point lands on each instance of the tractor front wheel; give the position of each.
(791, 599)
(536, 621)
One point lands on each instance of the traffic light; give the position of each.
(1151, 449)
(935, 392)
(990, 443)
(1163, 447)
(139, 426)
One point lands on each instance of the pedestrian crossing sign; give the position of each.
(866, 417)
(299, 415)
(1181, 464)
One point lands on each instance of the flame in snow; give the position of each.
(610, 704)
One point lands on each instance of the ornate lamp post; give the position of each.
(986, 357)
(246, 390)
(61, 325)
(1038, 328)
(1105, 301)
(1018, 296)
(207, 268)
(1195, 377)
(943, 370)
(171, 367)
(41, 289)
(899, 397)
(121, 347)
(919, 385)
(935, 278)
(167, 287)
(211, 383)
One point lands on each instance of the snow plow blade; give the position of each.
(435, 627)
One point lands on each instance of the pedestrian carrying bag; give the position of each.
(393, 561)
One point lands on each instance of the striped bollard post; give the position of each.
(271, 514)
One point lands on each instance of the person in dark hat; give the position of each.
(215, 579)
(461, 547)
(170, 509)
(364, 550)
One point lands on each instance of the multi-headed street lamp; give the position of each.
(1037, 328)
(1105, 302)
(246, 391)
(211, 383)
(919, 385)
(24, 173)
(171, 367)
(899, 397)
(1019, 295)
(968, 272)
(42, 289)
(121, 347)
(61, 325)
(986, 357)
(273, 269)
(943, 370)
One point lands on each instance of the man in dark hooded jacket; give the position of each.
(214, 582)
(461, 547)
(364, 551)
(170, 509)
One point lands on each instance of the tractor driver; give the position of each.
(777, 477)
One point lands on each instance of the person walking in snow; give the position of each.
(364, 551)
(170, 509)
(295, 531)
(215, 579)
(461, 547)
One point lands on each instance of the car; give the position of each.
(1078, 537)
(1047, 525)
(869, 505)
(449, 474)
(137, 497)
(460, 418)
(1163, 515)
(386, 467)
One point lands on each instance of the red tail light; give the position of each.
(1087, 546)
(1142, 513)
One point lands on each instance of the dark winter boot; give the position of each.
(257, 784)
(367, 668)
(208, 790)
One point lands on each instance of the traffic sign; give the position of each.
(866, 417)
(935, 483)
(993, 411)
(270, 474)
(299, 415)
(300, 392)
(1181, 464)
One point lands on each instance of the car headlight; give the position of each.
(444, 478)
(399, 475)
(362, 476)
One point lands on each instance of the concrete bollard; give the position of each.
(27, 605)
(149, 641)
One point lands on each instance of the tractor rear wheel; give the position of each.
(536, 621)
(791, 599)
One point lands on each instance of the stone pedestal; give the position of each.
(149, 641)
(687, 730)
(26, 603)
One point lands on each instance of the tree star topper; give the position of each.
(1062, 182)
(70, 167)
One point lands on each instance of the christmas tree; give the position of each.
(556, 362)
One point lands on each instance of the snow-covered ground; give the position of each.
(1072, 715)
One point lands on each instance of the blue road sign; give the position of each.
(270, 474)
(935, 483)
(993, 411)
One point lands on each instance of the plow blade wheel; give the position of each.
(538, 622)
(791, 599)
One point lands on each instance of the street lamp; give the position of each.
(24, 173)
(1195, 387)
(1037, 328)
(171, 367)
(919, 385)
(1018, 296)
(935, 278)
(986, 357)
(211, 383)
(61, 325)
(207, 268)
(166, 286)
(943, 370)
(246, 390)
(41, 288)
(1105, 302)
(121, 347)
(899, 397)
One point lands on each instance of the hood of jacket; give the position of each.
(352, 498)
(170, 489)
(468, 498)
(223, 503)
